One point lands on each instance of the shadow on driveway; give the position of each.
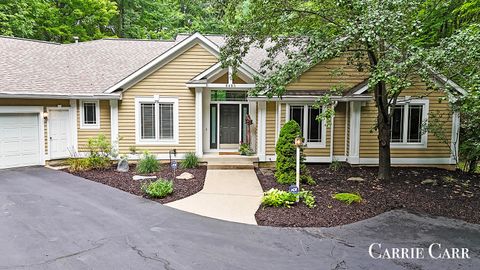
(54, 220)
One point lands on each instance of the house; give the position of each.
(174, 95)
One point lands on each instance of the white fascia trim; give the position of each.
(362, 90)
(41, 125)
(243, 86)
(97, 115)
(156, 99)
(409, 161)
(217, 68)
(73, 124)
(455, 86)
(59, 96)
(307, 98)
(165, 58)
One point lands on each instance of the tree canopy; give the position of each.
(386, 38)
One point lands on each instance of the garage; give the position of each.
(21, 140)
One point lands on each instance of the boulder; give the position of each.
(185, 176)
(143, 177)
(429, 182)
(356, 179)
(122, 165)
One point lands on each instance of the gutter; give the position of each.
(310, 98)
(61, 96)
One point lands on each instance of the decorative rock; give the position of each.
(122, 165)
(356, 179)
(429, 182)
(185, 176)
(142, 177)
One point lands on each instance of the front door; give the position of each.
(58, 132)
(229, 126)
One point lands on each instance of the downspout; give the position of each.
(332, 125)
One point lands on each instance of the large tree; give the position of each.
(382, 37)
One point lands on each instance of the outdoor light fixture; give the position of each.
(298, 141)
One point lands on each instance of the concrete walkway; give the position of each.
(232, 195)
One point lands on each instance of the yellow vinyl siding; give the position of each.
(105, 125)
(224, 79)
(167, 81)
(329, 74)
(435, 148)
(339, 130)
(37, 102)
(270, 128)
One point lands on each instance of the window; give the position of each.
(228, 95)
(90, 114)
(407, 121)
(157, 120)
(312, 129)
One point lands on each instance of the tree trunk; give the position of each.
(383, 124)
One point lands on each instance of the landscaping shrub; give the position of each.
(245, 149)
(190, 161)
(335, 165)
(78, 164)
(99, 162)
(158, 189)
(286, 156)
(280, 198)
(148, 164)
(307, 198)
(99, 146)
(348, 198)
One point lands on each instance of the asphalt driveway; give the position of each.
(53, 220)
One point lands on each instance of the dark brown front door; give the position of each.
(229, 125)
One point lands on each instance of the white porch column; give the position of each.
(354, 151)
(455, 137)
(198, 122)
(261, 127)
(73, 127)
(114, 125)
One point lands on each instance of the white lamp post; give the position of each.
(298, 144)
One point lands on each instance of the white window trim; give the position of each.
(323, 124)
(424, 139)
(97, 115)
(138, 122)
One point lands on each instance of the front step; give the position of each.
(230, 162)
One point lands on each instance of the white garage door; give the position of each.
(19, 140)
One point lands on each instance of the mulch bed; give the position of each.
(124, 181)
(456, 195)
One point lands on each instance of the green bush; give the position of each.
(78, 164)
(335, 165)
(99, 146)
(278, 198)
(307, 198)
(348, 198)
(99, 162)
(245, 149)
(148, 164)
(190, 161)
(158, 189)
(286, 156)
